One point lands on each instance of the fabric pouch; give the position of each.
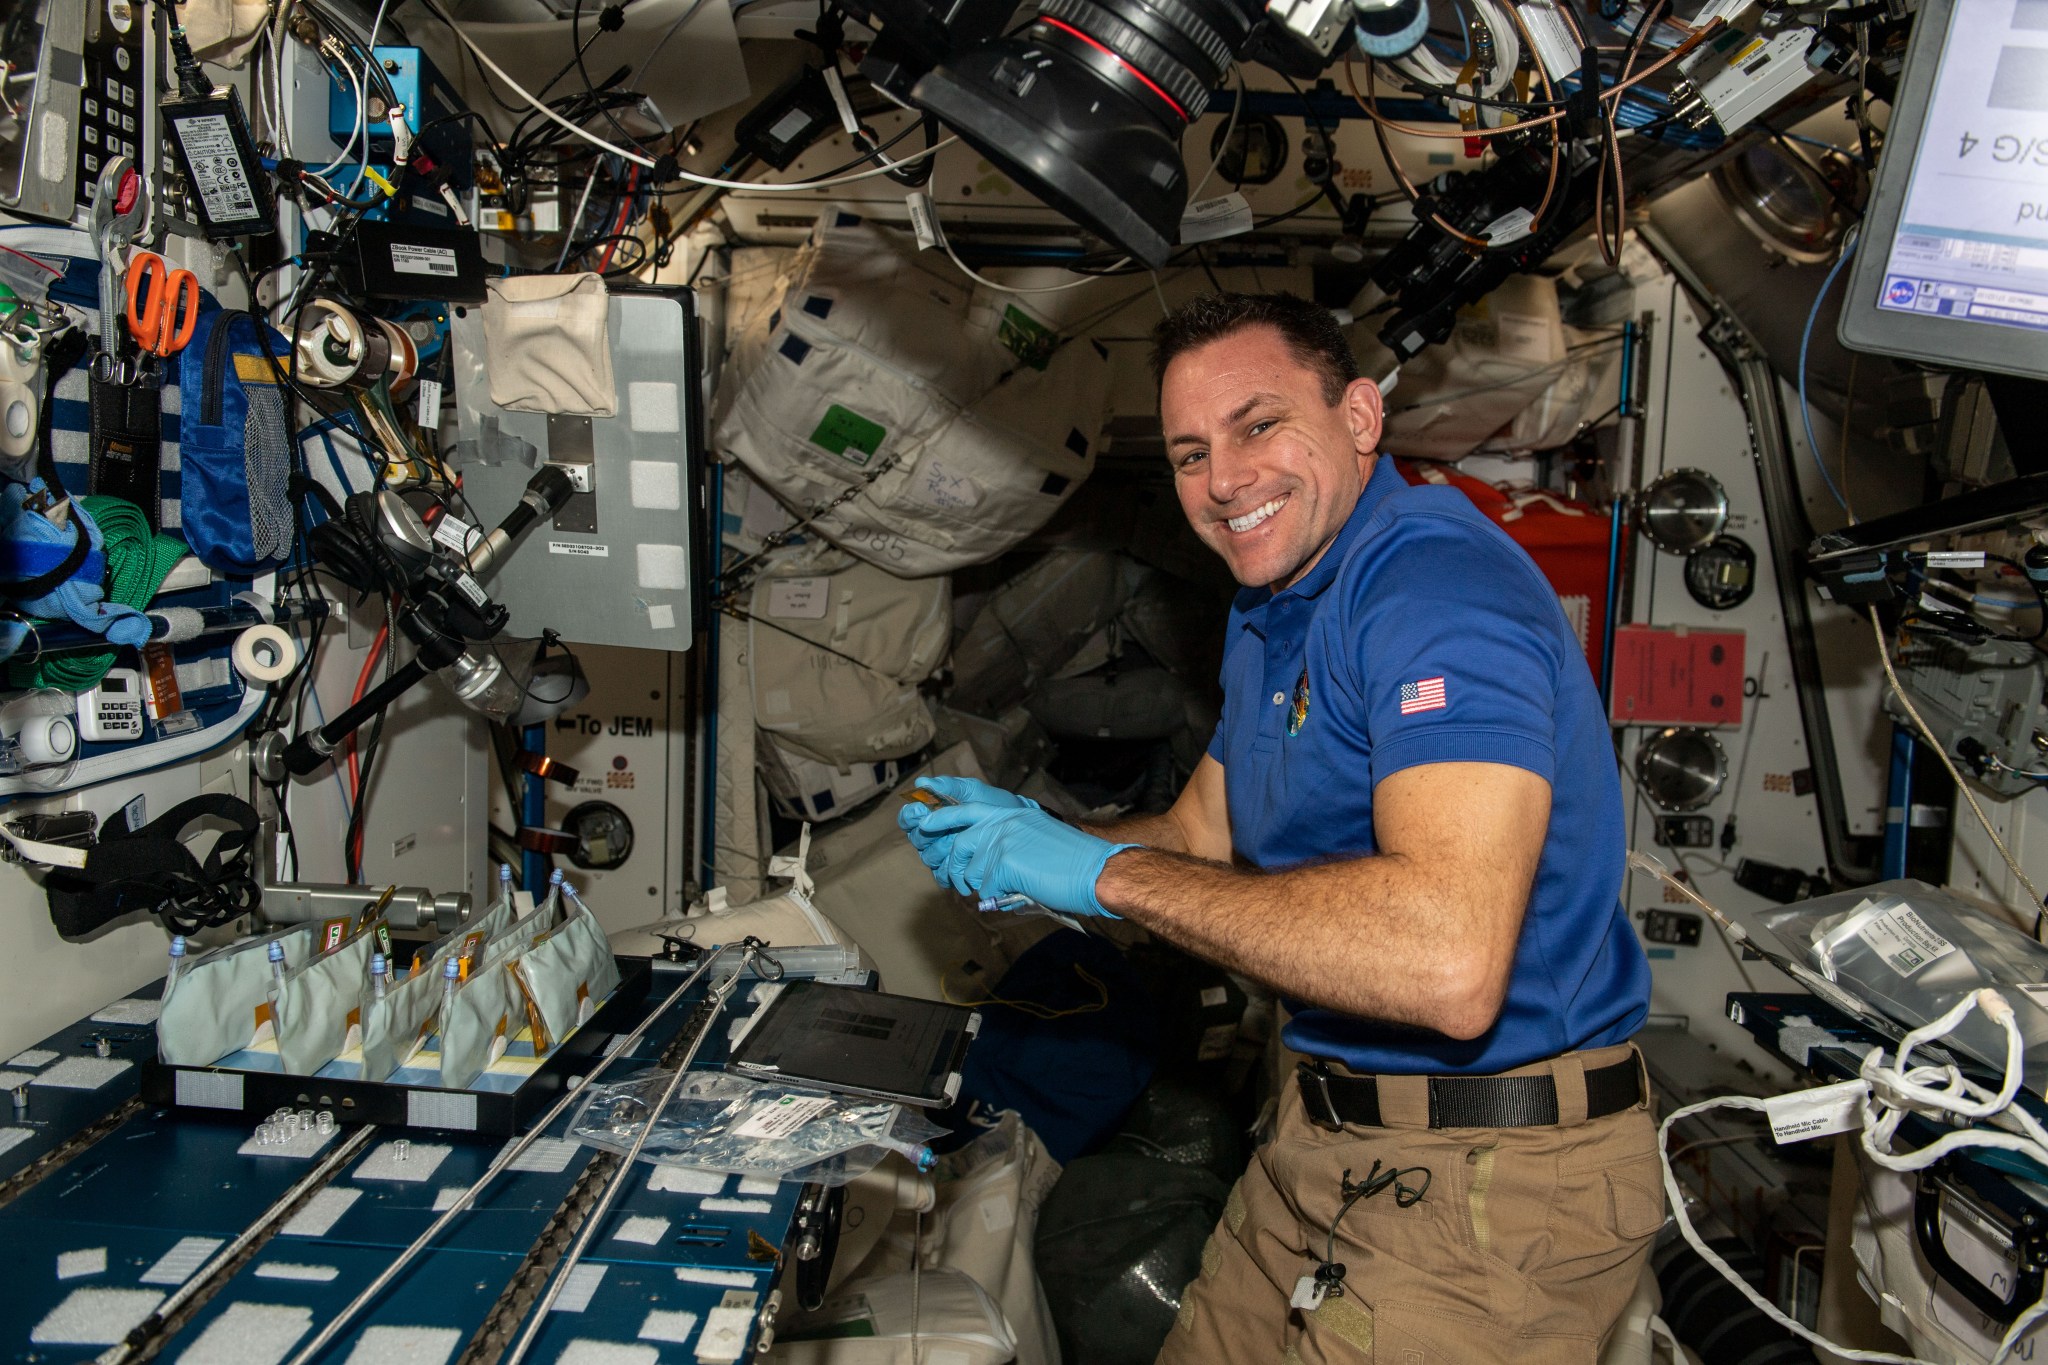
(563, 976)
(234, 445)
(221, 1003)
(478, 1024)
(320, 1005)
(467, 941)
(127, 445)
(395, 1027)
(548, 344)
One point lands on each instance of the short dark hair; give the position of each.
(1310, 331)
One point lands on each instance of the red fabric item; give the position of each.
(1567, 539)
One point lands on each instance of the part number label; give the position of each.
(789, 1114)
(423, 260)
(1903, 940)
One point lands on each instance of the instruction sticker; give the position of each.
(1208, 219)
(414, 259)
(847, 434)
(799, 599)
(1903, 940)
(790, 1113)
(1807, 1114)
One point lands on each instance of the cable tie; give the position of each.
(611, 18)
(665, 169)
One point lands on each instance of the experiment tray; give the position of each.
(253, 1095)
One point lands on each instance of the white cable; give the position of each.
(354, 134)
(642, 161)
(1222, 143)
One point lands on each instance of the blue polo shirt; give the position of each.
(1425, 635)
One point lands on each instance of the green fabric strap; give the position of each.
(138, 561)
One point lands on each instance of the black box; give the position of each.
(405, 262)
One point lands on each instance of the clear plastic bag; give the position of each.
(1911, 951)
(720, 1122)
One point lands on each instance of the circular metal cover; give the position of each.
(1682, 510)
(604, 836)
(1681, 769)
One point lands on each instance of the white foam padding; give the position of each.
(668, 1325)
(13, 1080)
(580, 1287)
(321, 1212)
(95, 1317)
(646, 1231)
(758, 1184)
(547, 1156)
(83, 1073)
(405, 1346)
(420, 1161)
(661, 616)
(684, 1180)
(665, 567)
(72, 1265)
(302, 1145)
(737, 1206)
(726, 1279)
(286, 1270)
(445, 1197)
(250, 1334)
(177, 1265)
(652, 405)
(10, 1137)
(587, 1351)
(657, 485)
(33, 1058)
(128, 1012)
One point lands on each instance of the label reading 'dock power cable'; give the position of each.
(414, 259)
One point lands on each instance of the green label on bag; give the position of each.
(1027, 338)
(848, 435)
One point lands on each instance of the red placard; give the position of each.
(1672, 675)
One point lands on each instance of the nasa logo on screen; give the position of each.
(1900, 292)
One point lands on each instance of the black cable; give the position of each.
(576, 37)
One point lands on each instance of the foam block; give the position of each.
(95, 1317)
(249, 1334)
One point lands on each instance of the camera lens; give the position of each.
(1086, 104)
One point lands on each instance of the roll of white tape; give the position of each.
(264, 653)
(48, 739)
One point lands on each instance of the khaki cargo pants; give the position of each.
(1525, 1247)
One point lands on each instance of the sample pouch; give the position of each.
(563, 976)
(234, 445)
(395, 1027)
(222, 1002)
(484, 1016)
(466, 941)
(547, 341)
(320, 1004)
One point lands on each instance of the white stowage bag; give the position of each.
(1512, 377)
(976, 1234)
(805, 789)
(881, 371)
(1032, 626)
(837, 649)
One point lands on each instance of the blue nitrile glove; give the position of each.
(969, 791)
(32, 546)
(989, 852)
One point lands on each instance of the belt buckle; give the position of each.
(1315, 1081)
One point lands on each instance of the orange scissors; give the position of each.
(163, 304)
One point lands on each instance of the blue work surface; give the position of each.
(683, 1264)
(69, 1086)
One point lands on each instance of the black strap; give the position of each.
(29, 589)
(151, 870)
(1469, 1101)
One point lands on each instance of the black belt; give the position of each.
(1469, 1101)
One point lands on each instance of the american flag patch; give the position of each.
(1427, 695)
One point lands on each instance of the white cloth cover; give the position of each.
(805, 789)
(880, 371)
(1511, 377)
(547, 345)
(785, 921)
(811, 622)
(870, 1323)
(221, 31)
(1033, 625)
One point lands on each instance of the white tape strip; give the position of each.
(95, 1317)
(580, 1287)
(736, 1206)
(683, 1180)
(400, 1160)
(83, 1073)
(405, 1346)
(664, 1325)
(585, 1351)
(644, 1231)
(285, 1270)
(33, 1058)
(725, 1279)
(547, 1156)
(72, 1265)
(322, 1212)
